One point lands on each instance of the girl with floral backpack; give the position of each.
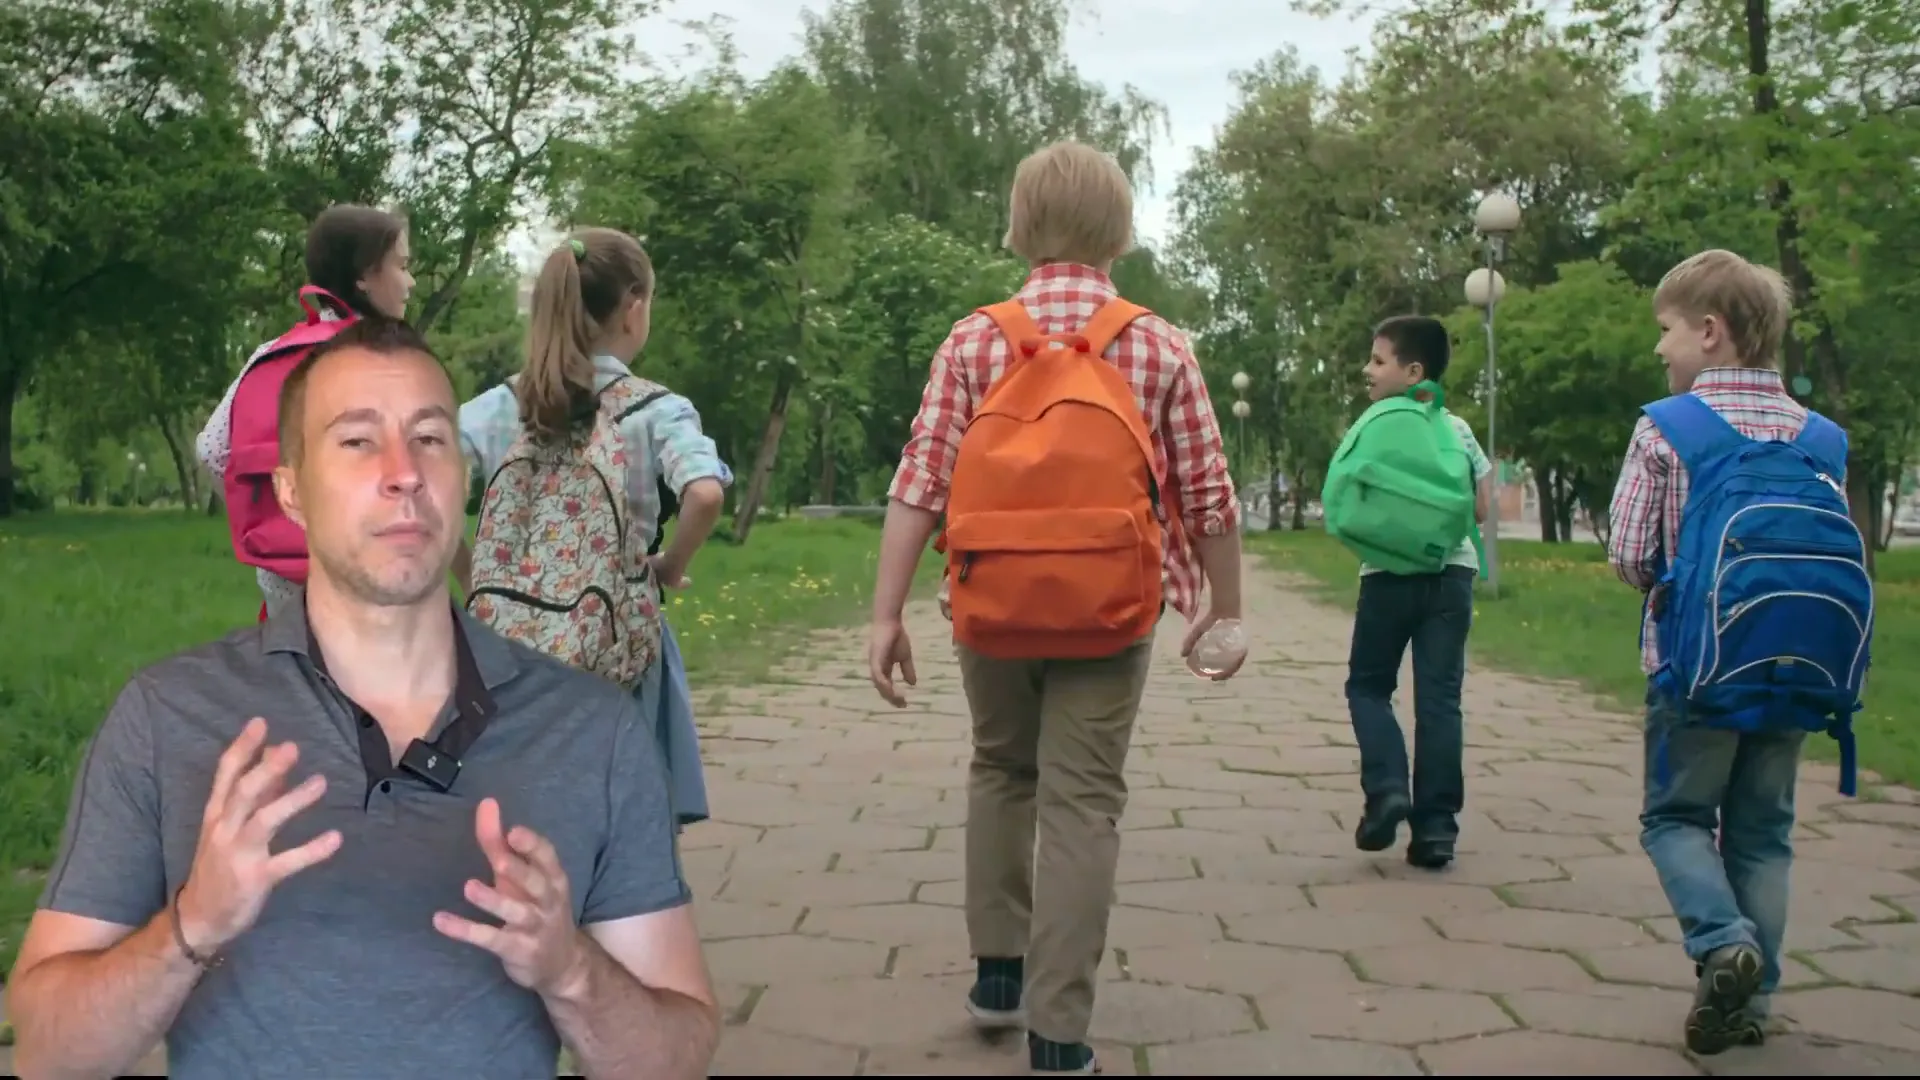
(582, 463)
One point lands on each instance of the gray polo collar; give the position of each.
(287, 631)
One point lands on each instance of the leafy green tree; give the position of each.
(1575, 363)
(742, 194)
(956, 92)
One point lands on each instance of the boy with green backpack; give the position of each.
(1405, 491)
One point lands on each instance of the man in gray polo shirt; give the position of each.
(369, 837)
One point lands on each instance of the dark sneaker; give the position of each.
(994, 1003)
(1048, 1058)
(1729, 978)
(1380, 825)
(1430, 854)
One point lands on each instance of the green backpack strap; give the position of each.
(1437, 399)
(1436, 402)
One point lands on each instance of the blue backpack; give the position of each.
(1767, 609)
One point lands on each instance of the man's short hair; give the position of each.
(1753, 302)
(1070, 203)
(373, 333)
(1419, 339)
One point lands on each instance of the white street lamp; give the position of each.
(1497, 218)
(1241, 410)
(1485, 287)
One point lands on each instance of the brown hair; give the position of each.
(1752, 301)
(375, 334)
(1070, 203)
(590, 278)
(346, 243)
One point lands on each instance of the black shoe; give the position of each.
(1380, 825)
(1430, 854)
(1044, 1056)
(1729, 978)
(1749, 1031)
(994, 1002)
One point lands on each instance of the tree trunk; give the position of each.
(763, 462)
(9, 389)
(1549, 508)
(1891, 485)
(1563, 503)
(828, 475)
(1296, 482)
(1821, 362)
(186, 469)
(1273, 493)
(215, 508)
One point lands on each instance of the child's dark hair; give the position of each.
(345, 244)
(585, 283)
(1418, 339)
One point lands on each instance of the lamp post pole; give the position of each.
(1241, 410)
(1496, 219)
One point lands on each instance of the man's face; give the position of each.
(381, 482)
(1685, 345)
(1386, 376)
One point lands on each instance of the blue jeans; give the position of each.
(1432, 613)
(1733, 892)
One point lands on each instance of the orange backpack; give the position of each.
(1053, 538)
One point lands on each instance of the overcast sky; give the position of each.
(1179, 52)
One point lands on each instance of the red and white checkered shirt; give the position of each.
(1653, 484)
(1155, 358)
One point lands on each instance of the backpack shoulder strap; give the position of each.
(1692, 428)
(310, 293)
(647, 393)
(1109, 323)
(1022, 333)
(1826, 442)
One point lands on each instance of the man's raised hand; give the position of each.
(234, 867)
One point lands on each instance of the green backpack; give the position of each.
(1399, 491)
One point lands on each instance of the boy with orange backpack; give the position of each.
(356, 265)
(1088, 493)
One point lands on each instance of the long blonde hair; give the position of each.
(590, 278)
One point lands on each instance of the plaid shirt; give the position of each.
(1653, 485)
(1155, 358)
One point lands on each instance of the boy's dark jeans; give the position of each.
(1432, 612)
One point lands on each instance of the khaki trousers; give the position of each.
(1050, 744)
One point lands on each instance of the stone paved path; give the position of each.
(1250, 937)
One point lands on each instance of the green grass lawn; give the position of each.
(1562, 613)
(91, 597)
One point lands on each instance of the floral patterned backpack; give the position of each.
(553, 565)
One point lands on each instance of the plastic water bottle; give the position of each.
(1219, 649)
(946, 598)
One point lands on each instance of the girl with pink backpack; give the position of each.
(357, 264)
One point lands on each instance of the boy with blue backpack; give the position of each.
(1731, 515)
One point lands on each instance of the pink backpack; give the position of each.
(263, 537)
